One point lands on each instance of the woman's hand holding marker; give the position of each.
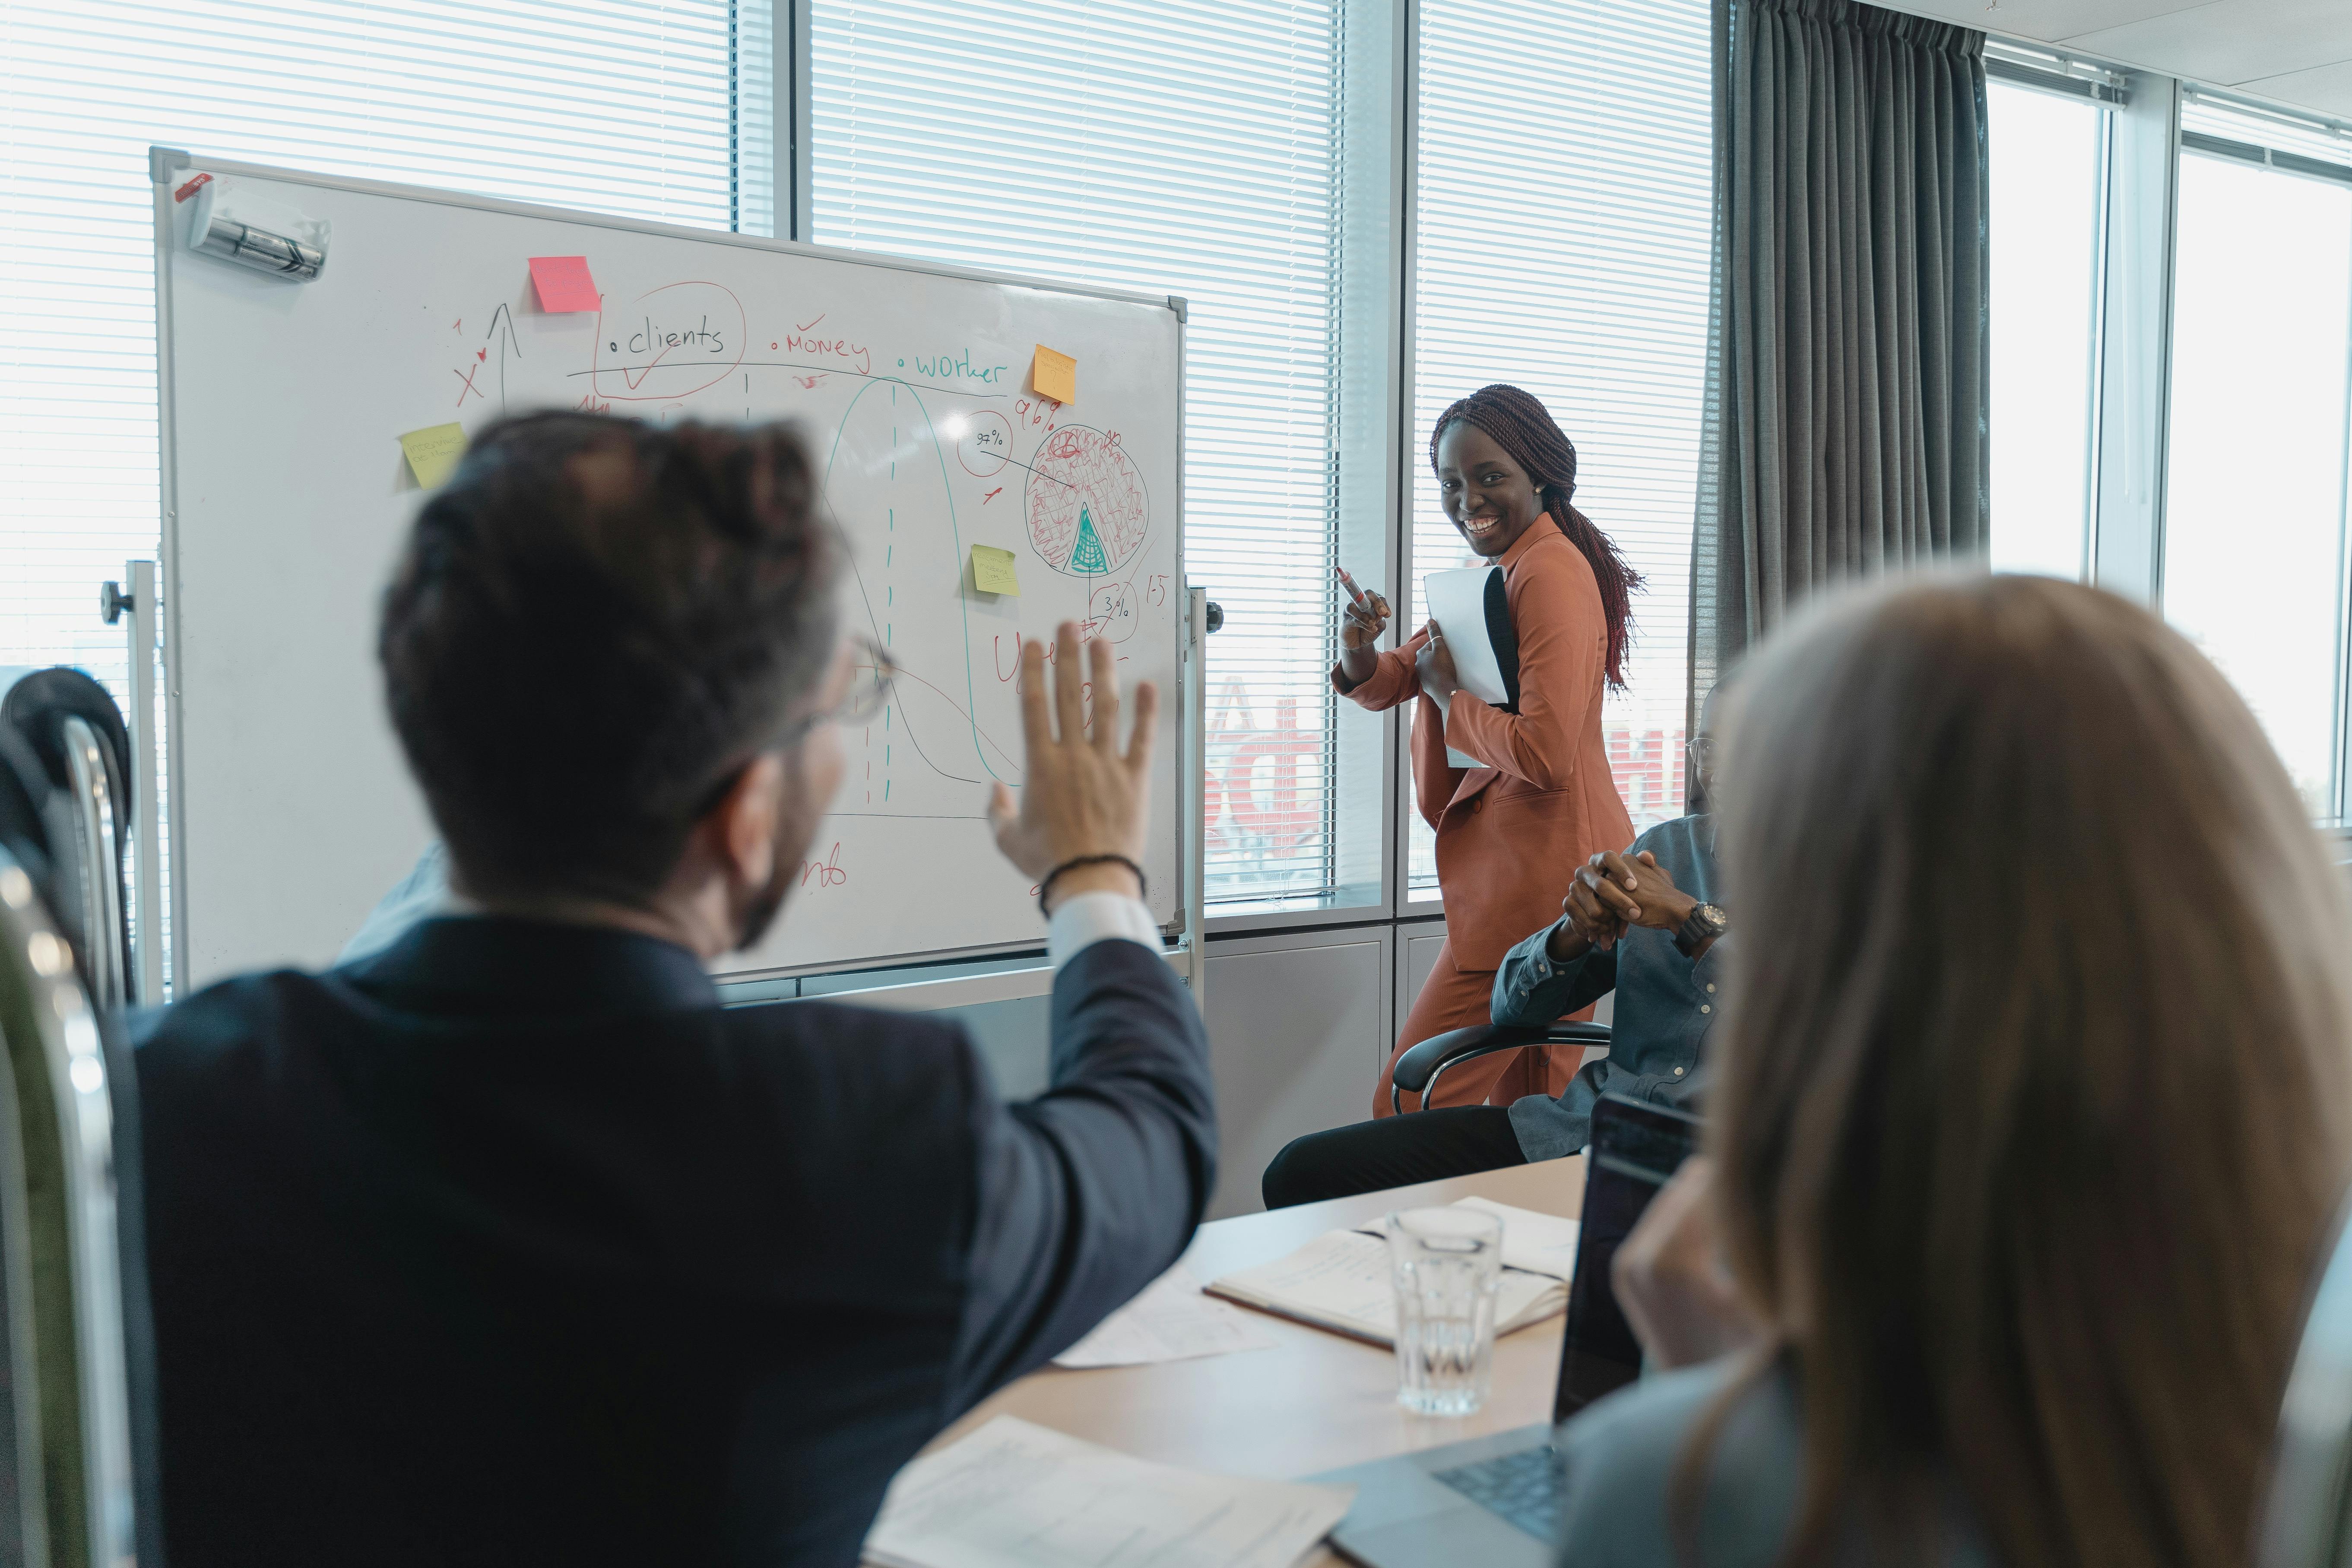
(1365, 618)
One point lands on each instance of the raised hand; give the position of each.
(1081, 794)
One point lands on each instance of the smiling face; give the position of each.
(1488, 495)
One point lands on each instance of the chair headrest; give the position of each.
(36, 707)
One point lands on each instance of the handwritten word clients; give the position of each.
(652, 338)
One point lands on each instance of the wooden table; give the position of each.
(1315, 1401)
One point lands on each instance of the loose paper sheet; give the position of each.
(1539, 1243)
(563, 283)
(1053, 376)
(433, 453)
(1457, 602)
(1014, 1495)
(993, 571)
(1172, 1320)
(1341, 1281)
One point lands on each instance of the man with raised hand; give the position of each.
(508, 1244)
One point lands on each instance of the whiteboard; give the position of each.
(287, 499)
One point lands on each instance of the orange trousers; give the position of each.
(1454, 998)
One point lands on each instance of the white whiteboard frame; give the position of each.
(1185, 931)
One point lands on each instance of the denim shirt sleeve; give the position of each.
(1529, 989)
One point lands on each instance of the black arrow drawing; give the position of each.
(502, 315)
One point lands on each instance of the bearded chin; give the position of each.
(766, 905)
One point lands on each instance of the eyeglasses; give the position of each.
(872, 673)
(1702, 752)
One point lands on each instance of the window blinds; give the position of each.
(1188, 149)
(1561, 234)
(617, 105)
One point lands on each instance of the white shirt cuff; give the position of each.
(1082, 919)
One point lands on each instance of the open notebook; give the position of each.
(1341, 1280)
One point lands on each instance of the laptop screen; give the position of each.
(1636, 1146)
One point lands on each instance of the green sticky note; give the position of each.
(991, 571)
(433, 453)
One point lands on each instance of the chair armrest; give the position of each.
(1418, 1066)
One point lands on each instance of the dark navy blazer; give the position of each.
(510, 1246)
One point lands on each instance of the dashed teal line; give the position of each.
(955, 527)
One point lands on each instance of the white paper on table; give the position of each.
(1342, 1282)
(1015, 1495)
(1539, 1243)
(1172, 1320)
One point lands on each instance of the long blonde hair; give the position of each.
(2034, 1104)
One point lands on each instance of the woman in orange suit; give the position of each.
(1512, 831)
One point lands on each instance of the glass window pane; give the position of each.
(1188, 149)
(2048, 158)
(2255, 504)
(1562, 245)
(605, 104)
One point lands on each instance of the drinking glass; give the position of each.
(1447, 1266)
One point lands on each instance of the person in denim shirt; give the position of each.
(1666, 1001)
(1623, 927)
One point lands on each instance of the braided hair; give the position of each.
(1522, 428)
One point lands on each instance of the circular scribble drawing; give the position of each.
(1087, 510)
(983, 443)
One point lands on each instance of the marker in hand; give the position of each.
(1353, 592)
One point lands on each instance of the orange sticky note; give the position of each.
(1053, 376)
(563, 283)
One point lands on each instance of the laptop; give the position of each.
(1496, 1500)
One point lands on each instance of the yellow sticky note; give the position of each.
(991, 571)
(433, 453)
(1053, 376)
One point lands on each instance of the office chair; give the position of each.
(72, 727)
(2307, 1517)
(1417, 1071)
(66, 1496)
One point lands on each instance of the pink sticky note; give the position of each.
(563, 283)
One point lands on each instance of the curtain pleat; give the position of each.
(1846, 415)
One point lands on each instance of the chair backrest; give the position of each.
(72, 727)
(2307, 1517)
(67, 1428)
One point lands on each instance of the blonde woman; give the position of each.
(2031, 1109)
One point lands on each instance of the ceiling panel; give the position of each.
(2230, 41)
(2327, 89)
(2045, 20)
(2294, 51)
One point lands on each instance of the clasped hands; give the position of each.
(1611, 892)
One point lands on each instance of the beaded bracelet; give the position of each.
(1045, 888)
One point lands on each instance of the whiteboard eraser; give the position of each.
(252, 231)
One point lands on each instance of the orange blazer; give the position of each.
(1511, 834)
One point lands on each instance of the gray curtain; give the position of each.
(1845, 413)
